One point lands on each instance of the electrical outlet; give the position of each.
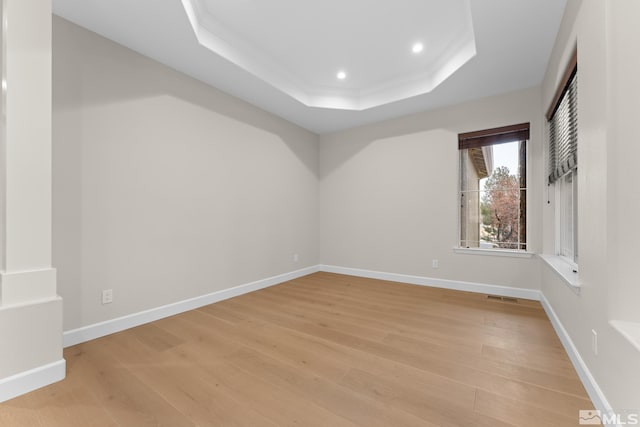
(594, 341)
(107, 296)
(296, 258)
(435, 263)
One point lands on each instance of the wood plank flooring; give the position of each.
(322, 350)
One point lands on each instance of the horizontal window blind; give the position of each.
(563, 132)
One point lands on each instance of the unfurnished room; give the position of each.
(319, 213)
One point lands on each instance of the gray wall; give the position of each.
(165, 188)
(389, 194)
(605, 32)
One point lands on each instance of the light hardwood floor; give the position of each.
(322, 350)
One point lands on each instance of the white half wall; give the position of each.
(166, 189)
(30, 310)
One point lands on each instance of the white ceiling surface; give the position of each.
(293, 49)
(380, 64)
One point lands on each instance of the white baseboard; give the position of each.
(97, 330)
(505, 291)
(30, 380)
(593, 390)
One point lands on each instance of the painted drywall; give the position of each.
(389, 194)
(165, 188)
(623, 156)
(604, 33)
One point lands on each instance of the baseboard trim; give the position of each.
(97, 330)
(30, 380)
(482, 288)
(593, 389)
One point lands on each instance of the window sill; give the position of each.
(511, 253)
(629, 330)
(564, 270)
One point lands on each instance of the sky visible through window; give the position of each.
(504, 155)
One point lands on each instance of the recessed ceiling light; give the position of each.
(341, 75)
(417, 47)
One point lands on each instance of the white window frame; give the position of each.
(562, 166)
(520, 253)
(566, 217)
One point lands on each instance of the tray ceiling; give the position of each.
(406, 48)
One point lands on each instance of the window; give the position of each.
(562, 128)
(567, 194)
(493, 188)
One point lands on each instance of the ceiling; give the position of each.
(284, 56)
(379, 66)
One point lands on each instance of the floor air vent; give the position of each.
(504, 299)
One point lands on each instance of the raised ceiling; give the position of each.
(307, 44)
(284, 55)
